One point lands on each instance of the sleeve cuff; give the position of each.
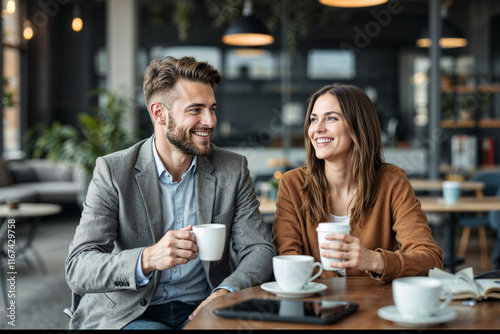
(224, 287)
(140, 278)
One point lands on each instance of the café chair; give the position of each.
(75, 300)
(494, 220)
(481, 221)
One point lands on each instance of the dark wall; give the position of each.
(61, 61)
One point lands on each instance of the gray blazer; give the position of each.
(123, 213)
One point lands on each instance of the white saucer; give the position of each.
(309, 290)
(391, 313)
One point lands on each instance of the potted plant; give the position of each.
(100, 132)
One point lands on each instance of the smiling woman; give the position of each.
(346, 180)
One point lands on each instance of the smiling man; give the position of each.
(133, 257)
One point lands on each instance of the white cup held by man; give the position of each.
(451, 192)
(210, 239)
(419, 297)
(293, 272)
(323, 230)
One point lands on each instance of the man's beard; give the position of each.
(183, 144)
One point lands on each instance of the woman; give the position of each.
(346, 179)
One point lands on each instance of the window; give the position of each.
(12, 42)
(256, 64)
(331, 64)
(210, 54)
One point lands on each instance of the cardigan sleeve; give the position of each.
(287, 227)
(417, 251)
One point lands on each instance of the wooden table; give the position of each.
(369, 294)
(465, 204)
(437, 185)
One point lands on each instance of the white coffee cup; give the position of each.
(210, 239)
(293, 272)
(451, 191)
(323, 230)
(419, 297)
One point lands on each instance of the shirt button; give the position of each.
(168, 286)
(178, 220)
(175, 270)
(143, 302)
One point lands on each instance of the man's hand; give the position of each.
(214, 295)
(174, 248)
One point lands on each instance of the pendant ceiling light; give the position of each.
(352, 3)
(247, 30)
(450, 36)
(77, 23)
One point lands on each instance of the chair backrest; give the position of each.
(494, 217)
(75, 300)
(491, 181)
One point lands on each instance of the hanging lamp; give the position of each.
(247, 30)
(450, 38)
(352, 3)
(77, 23)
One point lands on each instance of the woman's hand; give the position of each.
(350, 249)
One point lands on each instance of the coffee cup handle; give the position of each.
(316, 264)
(447, 301)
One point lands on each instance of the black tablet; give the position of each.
(302, 311)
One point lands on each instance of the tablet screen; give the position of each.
(316, 311)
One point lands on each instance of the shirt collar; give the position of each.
(160, 168)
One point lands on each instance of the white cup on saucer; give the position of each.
(419, 297)
(293, 272)
(210, 239)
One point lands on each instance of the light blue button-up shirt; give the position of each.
(185, 283)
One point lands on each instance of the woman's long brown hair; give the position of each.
(364, 128)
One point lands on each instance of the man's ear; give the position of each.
(157, 113)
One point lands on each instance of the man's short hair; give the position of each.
(162, 74)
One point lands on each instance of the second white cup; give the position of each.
(418, 297)
(323, 230)
(210, 239)
(293, 272)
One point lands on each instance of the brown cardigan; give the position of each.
(396, 226)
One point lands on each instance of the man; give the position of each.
(133, 257)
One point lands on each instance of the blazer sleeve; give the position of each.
(92, 265)
(250, 238)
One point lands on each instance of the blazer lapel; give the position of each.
(147, 182)
(204, 190)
